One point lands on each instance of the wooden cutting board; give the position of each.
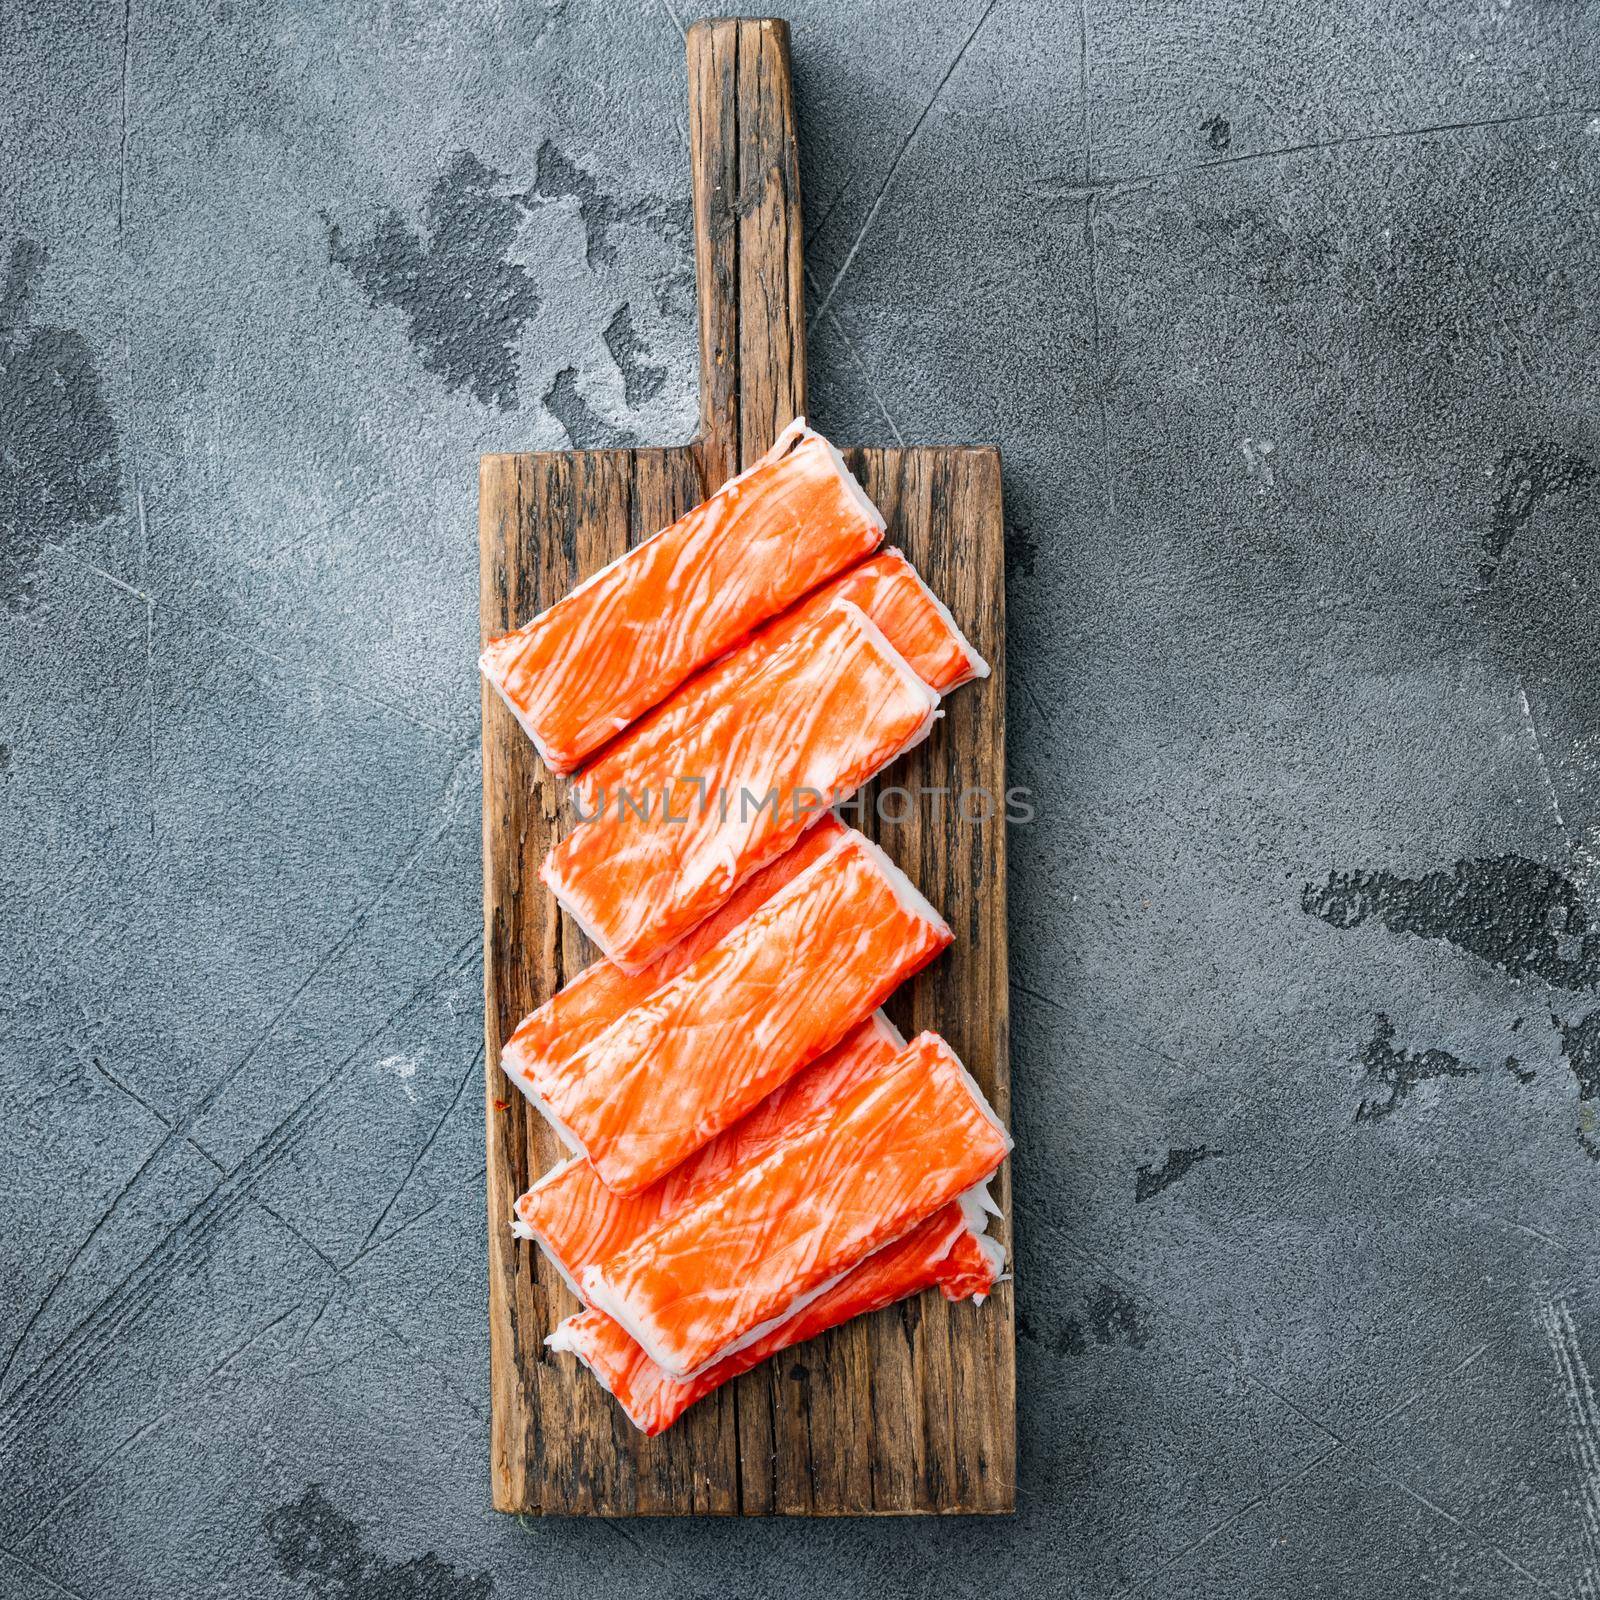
(911, 1410)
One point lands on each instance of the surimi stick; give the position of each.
(788, 983)
(547, 1040)
(770, 1239)
(947, 1250)
(826, 713)
(577, 1221)
(581, 671)
(887, 588)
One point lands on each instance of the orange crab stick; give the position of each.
(580, 672)
(770, 1239)
(887, 588)
(788, 983)
(577, 1221)
(547, 1040)
(827, 712)
(948, 1249)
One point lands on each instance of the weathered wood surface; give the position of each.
(912, 1410)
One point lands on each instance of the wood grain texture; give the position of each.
(749, 256)
(911, 1410)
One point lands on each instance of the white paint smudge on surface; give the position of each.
(403, 1068)
(1258, 454)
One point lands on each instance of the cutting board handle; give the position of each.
(748, 240)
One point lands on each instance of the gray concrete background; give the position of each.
(1285, 317)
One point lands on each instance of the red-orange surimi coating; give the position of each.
(772, 1237)
(788, 983)
(828, 711)
(548, 1039)
(579, 673)
(578, 1221)
(888, 590)
(940, 1251)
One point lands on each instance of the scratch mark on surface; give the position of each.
(1457, 1522)
(472, 1180)
(1386, 137)
(44, 1577)
(133, 1094)
(397, 1335)
(98, 572)
(78, 1254)
(1583, 1431)
(422, 843)
(899, 156)
(1522, 1227)
(301, 669)
(860, 365)
(417, 1160)
(94, 1472)
(1091, 248)
(1541, 762)
(127, 80)
(255, 1338)
(141, 1286)
(1269, 1493)
(298, 669)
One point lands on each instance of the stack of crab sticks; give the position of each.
(757, 1155)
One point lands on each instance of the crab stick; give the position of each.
(887, 588)
(948, 1250)
(773, 1237)
(547, 1040)
(826, 713)
(788, 983)
(577, 1221)
(626, 637)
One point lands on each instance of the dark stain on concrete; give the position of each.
(1218, 132)
(1109, 1317)
(1580, 1047)
(642, 380)
(1525, 477)
(5, 759)
(586, 429)
(59, 459)
(465, 301)
(1151, 1180)
(557, 177)
(316, 1545)
(1521, 916)
(1400, 1071)
(1249, 245)
(1021, 547)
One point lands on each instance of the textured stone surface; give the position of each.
(1285, 321)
